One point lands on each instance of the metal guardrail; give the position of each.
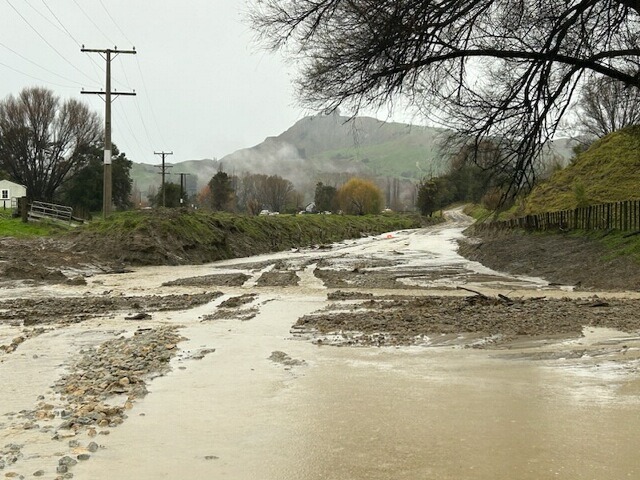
(41, 210)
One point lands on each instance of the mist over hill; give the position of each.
(319, 148)
(326, 148)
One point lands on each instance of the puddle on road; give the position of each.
(362, 413)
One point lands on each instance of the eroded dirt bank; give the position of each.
(559, 258)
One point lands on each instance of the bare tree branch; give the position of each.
(504, 69)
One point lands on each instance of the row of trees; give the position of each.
(252, 193)
(55, 149)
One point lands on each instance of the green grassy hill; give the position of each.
(318, 147)
(608, 171)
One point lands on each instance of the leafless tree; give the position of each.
(273, 191)
(607, 105)
(500, 69)
(256, 191)
(44, 141)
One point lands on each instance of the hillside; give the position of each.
(326, 148)
(608, 171)
(333, 144)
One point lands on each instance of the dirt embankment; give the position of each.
(183, 237)
(176, 237)
(558, 258)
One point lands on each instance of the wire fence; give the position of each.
(622, 216)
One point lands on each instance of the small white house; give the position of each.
(9, 194)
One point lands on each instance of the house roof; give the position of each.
(9, 183)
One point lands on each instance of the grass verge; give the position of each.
(15, 227)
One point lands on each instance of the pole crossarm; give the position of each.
(105, 50)
(95, 92)
(163, 171)
(108, 54)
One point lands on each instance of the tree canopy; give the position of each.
(360, 197)
(85, 189)
(171, 196)
(221, 191)
(500, 69)
(45, 141)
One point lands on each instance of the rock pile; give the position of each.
(397, 320)
(44, 310)
(115, 370)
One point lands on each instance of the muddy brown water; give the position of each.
(446, 412)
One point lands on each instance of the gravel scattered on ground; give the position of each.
(285, 359)
(278, 279)
(116, 369)
(242, 314)
(47, 310)
(215, 280)
(238, 301)
(101, 385)
(410, 321)
(363, 278)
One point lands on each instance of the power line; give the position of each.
(126, 77)
(47, 19)
(46, 41)
(38, 65)
(146, 94)
(36, 78)
(121, 114)
(92, 22)
(116, 23)
(61, 24)
(74, 39)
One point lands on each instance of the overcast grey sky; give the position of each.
(204, 88)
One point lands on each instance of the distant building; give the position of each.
(9, 194)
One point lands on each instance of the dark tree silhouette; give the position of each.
(500, 69)
(221, 190)
(44, 141)
(85, 189)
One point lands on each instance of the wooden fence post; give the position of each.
(23, 206)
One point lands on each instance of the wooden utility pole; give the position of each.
(183, 185)
(108, 54)
(163, 170)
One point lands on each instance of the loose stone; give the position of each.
(68, 461)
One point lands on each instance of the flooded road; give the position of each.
(268, 404)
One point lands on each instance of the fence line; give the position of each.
(622, 216)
